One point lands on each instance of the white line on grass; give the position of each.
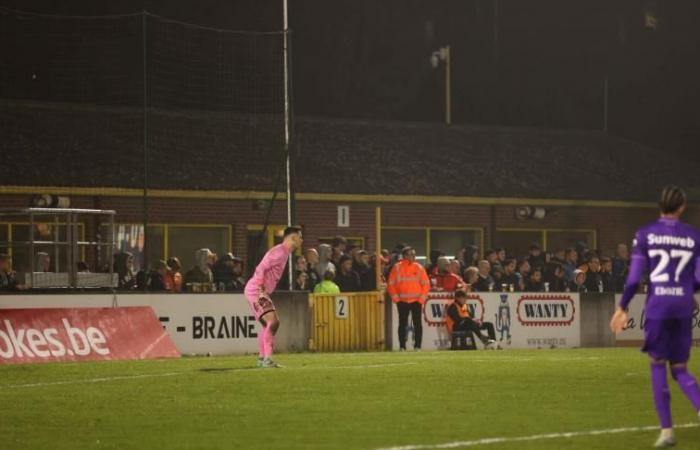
(91, 380)
(368, 366)
(170, 374)
(535, 437)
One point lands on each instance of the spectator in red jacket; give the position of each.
(445, 280)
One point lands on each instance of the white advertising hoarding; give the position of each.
(219, 324)
(635, 325)
(521, 320)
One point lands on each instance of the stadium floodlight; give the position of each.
(443, 54)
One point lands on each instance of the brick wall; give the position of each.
(319, 219)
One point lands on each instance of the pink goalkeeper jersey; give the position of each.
(269, 271)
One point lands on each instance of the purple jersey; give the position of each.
(669, 251)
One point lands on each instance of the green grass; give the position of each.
(327, 401)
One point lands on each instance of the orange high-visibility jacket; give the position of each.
(408, 282)
(462, 310)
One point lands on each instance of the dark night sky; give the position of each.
(369, 58)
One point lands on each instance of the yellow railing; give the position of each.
(350, 321)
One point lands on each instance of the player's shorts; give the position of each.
(669, 339)
(261, 304)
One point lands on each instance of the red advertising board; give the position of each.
(82, 334)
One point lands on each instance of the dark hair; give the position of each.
(406, 250)
(292, 230)
(338, 240)
(174, 262)
(672, 199)
(460, 294)
(489, 252)
(509, 261)
(4, 256)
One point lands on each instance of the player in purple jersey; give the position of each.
(262, 284)
(669, 250)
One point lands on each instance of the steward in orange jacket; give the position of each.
(408, 286)
(457, 318)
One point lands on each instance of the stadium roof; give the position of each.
(78, 146)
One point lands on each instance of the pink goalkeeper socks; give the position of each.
(268, 340)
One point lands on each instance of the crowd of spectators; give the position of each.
(575, 269)
(343, 267)
(209, 274)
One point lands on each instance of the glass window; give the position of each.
(449, 241)
(563, 239)
(416, 238)
(130, 238)
(183, 241)
(517, 243)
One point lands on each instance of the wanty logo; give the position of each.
(435, 308)
(546, 310)
(33, 343)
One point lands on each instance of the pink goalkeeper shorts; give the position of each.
(261, 304)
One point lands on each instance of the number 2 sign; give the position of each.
(341, 307)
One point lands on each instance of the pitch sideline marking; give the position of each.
(535, 437)
(170, 374)
(92, 380)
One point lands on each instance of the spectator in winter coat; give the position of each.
(223, 272)
(311, 265)
(621, 264)
(536, 258)
(201, 272)
(327, 286)
(484, 283)
(8, 278)
(174, 274)
(524, 269)
(571, 263)
(510, 276)
(124, 268)
(579, 283)
(347, 280)
(534, 282)
(443, 279)
(606, 267)
(361, 266)
(594, 280)
(324, 260)
(158, 280)
(556, 277)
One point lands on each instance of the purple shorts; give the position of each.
(669, 339)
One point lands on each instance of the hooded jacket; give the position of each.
(324, 260)
(125, 274)
(200, 273)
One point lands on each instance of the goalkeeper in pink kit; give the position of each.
(262, 284)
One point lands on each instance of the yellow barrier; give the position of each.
(350, 321)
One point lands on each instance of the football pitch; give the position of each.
(491, 400)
